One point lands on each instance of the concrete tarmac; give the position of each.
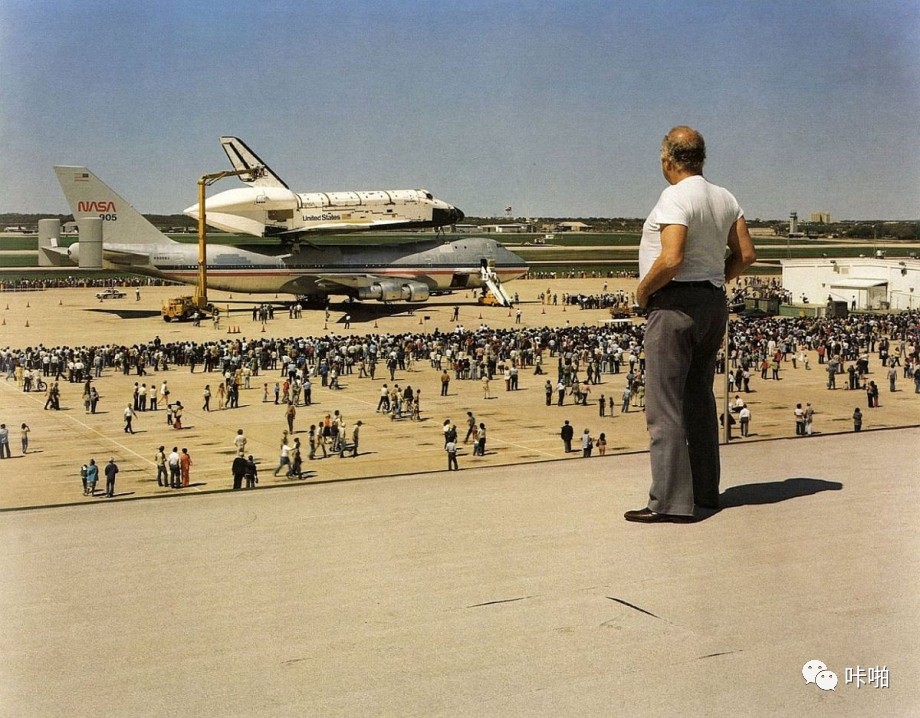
(514, 591)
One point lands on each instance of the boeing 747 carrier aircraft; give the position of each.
(269, 208)
(409, 272)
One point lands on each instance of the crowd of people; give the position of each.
(72, 282)
(574, 359)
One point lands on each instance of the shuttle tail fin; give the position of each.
(88, 196)
(243, 158)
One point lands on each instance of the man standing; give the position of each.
(567, 433)
(445, 382)
(238, 469)
(252, 473)
(832, 373)
(160, 460)
(745, 417)
(683, 268)
(239, 442)
(587, 443)
(4, 442)
(173, 462)
(355, 437)
(451, 448)
(799, 414)
(809, 419)
(480, 439)
(111, 469)
(289, 414)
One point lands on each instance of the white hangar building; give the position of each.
(861, 282)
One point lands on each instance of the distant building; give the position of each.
(821, 217)
(515, 228)
(572, 227)
(862, 282)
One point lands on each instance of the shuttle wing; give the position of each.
(339, 227)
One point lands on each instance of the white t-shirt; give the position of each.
(708, 211)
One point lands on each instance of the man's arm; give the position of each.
(665, 268)
(741, 250)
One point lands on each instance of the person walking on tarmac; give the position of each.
(567, 433)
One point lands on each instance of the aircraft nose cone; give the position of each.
(441, 217)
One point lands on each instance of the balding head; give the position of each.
(685, 148)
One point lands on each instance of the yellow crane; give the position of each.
(179, 308)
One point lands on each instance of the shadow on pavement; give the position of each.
(773, 492)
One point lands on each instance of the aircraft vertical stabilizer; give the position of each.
(89, 196)
(243, 158)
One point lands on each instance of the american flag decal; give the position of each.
(81, 177)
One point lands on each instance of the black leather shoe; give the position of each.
(647, 516)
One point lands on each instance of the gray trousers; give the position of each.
(686, 326)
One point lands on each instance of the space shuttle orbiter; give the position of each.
(267, 207)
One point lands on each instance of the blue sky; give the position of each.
(555, 108)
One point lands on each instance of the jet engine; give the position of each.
(394, 290)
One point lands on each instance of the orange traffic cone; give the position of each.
(4, 322)
(375, 324)
(420, 319)
(27, 322)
